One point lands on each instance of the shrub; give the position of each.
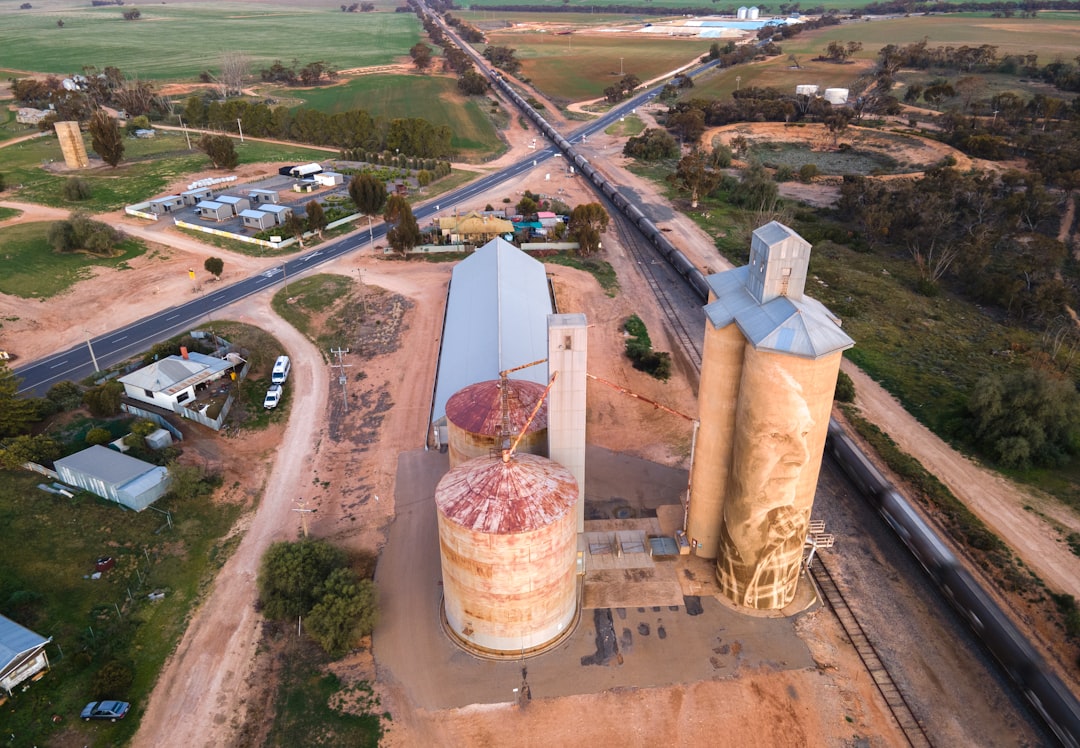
(103, 401)
(113, 680)
(784, 173)
(807, 172)
(845, 389)
(98, 435)
(639, 351)
(66, 395)
(76, 189)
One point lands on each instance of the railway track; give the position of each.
(894, 698)
(657, 274)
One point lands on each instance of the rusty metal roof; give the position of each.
(478, 408)
(492, 496)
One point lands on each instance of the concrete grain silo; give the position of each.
(741, 13)
(508, 544)
(481, 417)
(754, 13)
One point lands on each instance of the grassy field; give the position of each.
(32, 270)
(6, 213)
(626, 127)
(46, 588)
(181, 39)
(149, 166)
(428, 97)
(571, 68)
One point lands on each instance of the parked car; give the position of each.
(110, 710)
(273, 396)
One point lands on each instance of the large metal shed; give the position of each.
(496, 319)
(114, 476)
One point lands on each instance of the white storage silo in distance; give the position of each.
(754, 13)
(475, 419)
(508, 545)
(806, 90)
(741, 13)
(836, 96)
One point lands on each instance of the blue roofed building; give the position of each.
(22, 655)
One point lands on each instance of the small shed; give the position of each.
(113, 476)
(197, 195)
(280, 213)
(263, 196)
(330, 178)
(214, 211)
(238, 203)
(22, 654)
(159, 439)
(257, 219)
(305, 185)
(162, 205)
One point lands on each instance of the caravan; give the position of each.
(281, 370)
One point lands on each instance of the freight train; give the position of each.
(1048, 695)
(649, 230)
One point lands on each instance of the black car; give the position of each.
(110, 710)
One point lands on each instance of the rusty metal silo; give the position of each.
(508, 543)
(484, 418)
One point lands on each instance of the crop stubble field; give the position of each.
(581, 66)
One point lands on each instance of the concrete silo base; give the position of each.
(500, 655)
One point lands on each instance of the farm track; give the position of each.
(894, 697)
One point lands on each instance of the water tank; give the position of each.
(753, 13)
(474, 418)
(508, 544)
(741, 13)
(806, 90)
(836, 96)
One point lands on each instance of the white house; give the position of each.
(329, 178)
(238, 203)
(257, 219)
(214, 210)
(117, 477)
(22, 654)
(167, 204)
(280, 213)
(263, 196)
(172, 381)
(197, 195)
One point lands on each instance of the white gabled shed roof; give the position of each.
(496, 319)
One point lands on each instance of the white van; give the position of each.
(281, 370)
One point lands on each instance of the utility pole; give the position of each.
(240, 128)
(620, 66)
(303, 511)
(188, 137)
(341, 366)
(92, 356)
(363, 292)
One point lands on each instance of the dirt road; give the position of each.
(204, 680)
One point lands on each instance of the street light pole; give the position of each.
(620, 66)
(92, 356)
(240, 128)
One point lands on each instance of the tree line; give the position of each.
(352, 130)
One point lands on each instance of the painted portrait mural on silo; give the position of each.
(770, 491)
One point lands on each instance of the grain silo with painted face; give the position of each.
(508, 545)
(485, 418)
